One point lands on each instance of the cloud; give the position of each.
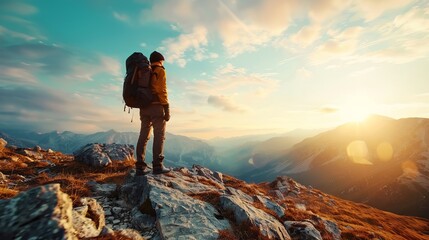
(176, 48)
(41, 108)
(306, 35)
(17, 75)
(5, 32)
(28, 59)
(371, 9)
(224, 103)
(323, 10)
(414, 21)
(329, 110)
(340, 44)
(17, 7)
(121, 17)
(241, 25)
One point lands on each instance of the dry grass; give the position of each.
(113, 236)
(71, 175)
(250, 189)
(7, 193)
(226, 235)
(356, 221)
(211, 197)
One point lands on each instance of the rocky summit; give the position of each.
(49, 195)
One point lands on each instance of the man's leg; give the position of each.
(158, 141)
(141, 143)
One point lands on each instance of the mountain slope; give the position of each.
(382, 162)
(188, 203)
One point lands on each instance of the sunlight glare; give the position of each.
(358, 152)
(356, 108)
(410, 169)
(385, 151)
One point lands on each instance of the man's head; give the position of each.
(156, 57)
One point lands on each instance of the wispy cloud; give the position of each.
(121, 17)
(18, 7)
(24, 107)
(224, 103)
(370, 9)
(329, 110)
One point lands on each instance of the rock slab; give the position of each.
(43, 212)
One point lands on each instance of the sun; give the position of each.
(356, 108)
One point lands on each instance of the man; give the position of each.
(155, 115)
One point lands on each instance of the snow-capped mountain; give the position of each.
(382, 162)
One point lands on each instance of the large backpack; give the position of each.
(137, 91)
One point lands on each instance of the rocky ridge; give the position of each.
(188, 203)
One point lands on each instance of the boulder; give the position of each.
(176, 213)
(302, 230)
(43, 212)
(245, 212)
(99, 155)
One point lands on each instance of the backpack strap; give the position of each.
(134, 74)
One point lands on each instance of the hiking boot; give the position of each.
(161, 170)
(142, 171)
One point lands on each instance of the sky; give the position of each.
(234, 67)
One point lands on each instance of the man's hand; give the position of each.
(166, 112)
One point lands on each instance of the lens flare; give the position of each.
(358, 152)
(385, 151)
(410, 169)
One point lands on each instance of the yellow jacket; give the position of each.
(159, 84)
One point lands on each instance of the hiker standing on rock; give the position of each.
(155, 115)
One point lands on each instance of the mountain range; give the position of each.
(381, 161)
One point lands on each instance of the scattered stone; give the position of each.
(302, 230)
(140, 221)
(130, 234)
(279, 194)
(100, 155)
(240, 194)
(300, 206)
(37, 148)
(3, 178)
(271, 205)
(30, 153)
(51, 151)
(332, 228)
(243, 212)
(207, 173)
(3, 144)
(89, 219)
(105, 189)
(12, 158)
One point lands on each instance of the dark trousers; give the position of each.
(151, 116)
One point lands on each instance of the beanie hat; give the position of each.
(156, 57)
